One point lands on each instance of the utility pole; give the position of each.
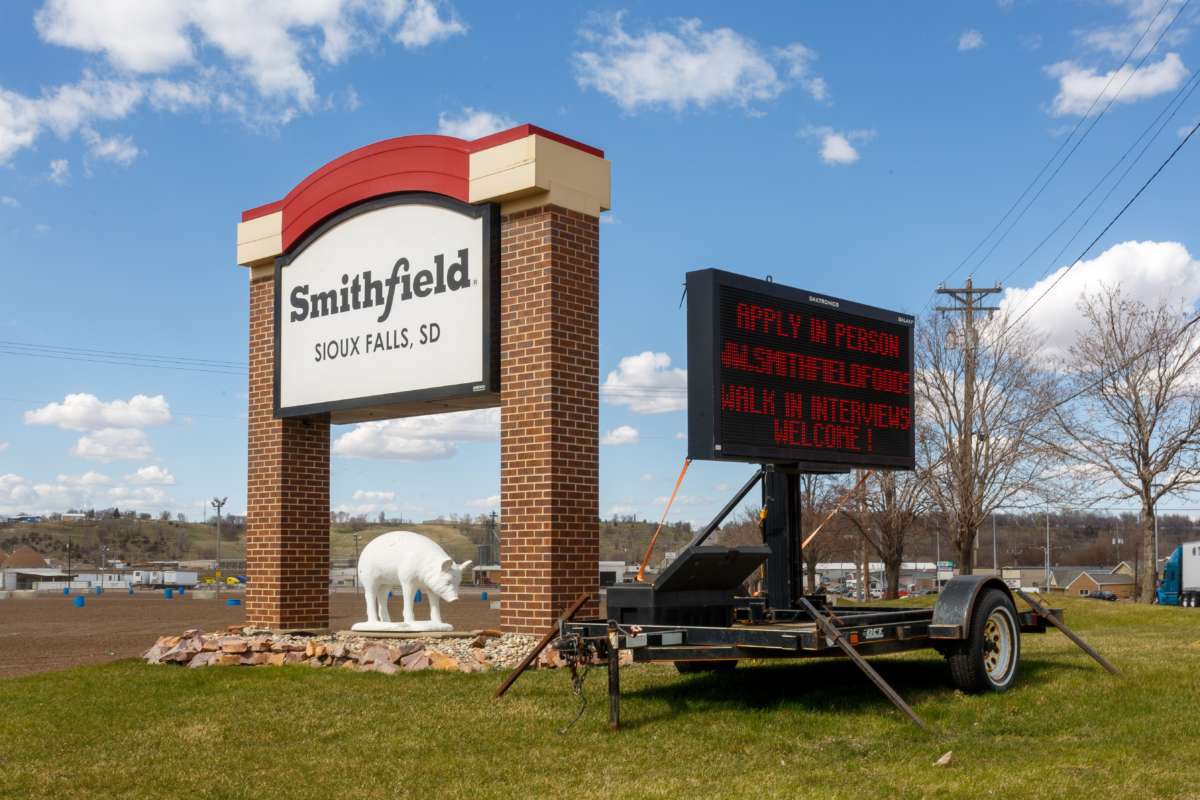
(1047, 550)
(995, 563)
(968, 301)
(1155, 487)
(218, 504)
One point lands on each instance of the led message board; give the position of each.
(782, 375)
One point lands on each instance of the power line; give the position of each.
(1125, 155)
(1105, 230)
(118, 363)
(1058, 151)
(122, 354)
(1095, 120)
(1189, 86)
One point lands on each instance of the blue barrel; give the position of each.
(483, 596)
(97, 590)
(417, 597)
(131, 590)
(233, 601)
(168, 593)
(79, 601)
(180, 590)
(66, 590)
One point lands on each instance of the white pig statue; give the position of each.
(410, 561)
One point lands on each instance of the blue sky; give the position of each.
(857, 150)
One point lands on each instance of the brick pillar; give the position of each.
(549, 411)
(287, 482)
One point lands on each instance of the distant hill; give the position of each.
(136, 540)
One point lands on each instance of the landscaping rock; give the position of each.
(476, 651)
(415, 662)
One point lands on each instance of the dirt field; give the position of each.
(47, 633)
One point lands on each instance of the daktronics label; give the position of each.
(388, 304)
(779, 374)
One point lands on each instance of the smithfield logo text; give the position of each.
(364, 291)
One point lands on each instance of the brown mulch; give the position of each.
(48, 632)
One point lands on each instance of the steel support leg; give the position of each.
(829, 630)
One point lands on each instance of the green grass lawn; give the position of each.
(811, 729)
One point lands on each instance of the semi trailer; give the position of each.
(1180, 584)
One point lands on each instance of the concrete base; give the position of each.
(451, 634)
(400, 627)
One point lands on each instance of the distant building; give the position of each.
(24, 578)
(1088, 583)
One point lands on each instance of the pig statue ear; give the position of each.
(447, 565)
(464, 566)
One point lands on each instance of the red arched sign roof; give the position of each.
(439, 164)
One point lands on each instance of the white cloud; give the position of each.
(970, 39)
(118, 149)
(152, 475)
(1146, 271)
(1079, 86)
(41, 229)
(472, 123)
(836, 146)
(9, 202)
(622, 510)
(419, 438)
(368, 496)
(1145, 22)
(256, 60)
(489, 502)
(423, 24)
(86, 412)
(139, 497)
(60, 169)
(113, 444)
(179, 96)
(625, 434)
(680, 436)
(685, 65)
(1030, 41)
(647, 476)
(798, 59)
(88, 480)
(647, 384)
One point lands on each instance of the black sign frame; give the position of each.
(434, 400)
(705, 441)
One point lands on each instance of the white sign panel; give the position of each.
(386, 304)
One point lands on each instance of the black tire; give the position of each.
(989, 659)
(705, 666)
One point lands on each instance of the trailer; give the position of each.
(798, 383)
(1180, 585)
(697, 616)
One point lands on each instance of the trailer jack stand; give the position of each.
(833, 633)
(1046, 614)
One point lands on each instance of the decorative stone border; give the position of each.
(465, 651)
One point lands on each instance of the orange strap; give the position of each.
(641, 573)
(841, 501)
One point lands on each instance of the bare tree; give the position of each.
(1010, 452)
(1136, 417)
(818, 493)
(892, 502)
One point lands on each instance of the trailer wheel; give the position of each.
(686, 667)
(987, 660)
